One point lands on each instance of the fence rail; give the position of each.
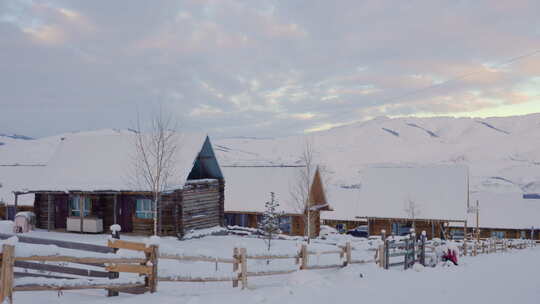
(401, 253)
(107, 278)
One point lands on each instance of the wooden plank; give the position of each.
(62, 269)
(323, 266)
(70, 259)
(396, 264)
(120, 244)
(6, 273)
(303, 256)
(236, 253)
(243, 267)
(153, 276)
(192, 279)
(325, 252)
(270, 273)
(272, 257)
(61, 244)
(118, 287)
(361, 261)
(131, 268)
(39, 275)
(196, 258)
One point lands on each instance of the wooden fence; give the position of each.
(406, 252)
(42, 266)
(484, 246)
(240, 258)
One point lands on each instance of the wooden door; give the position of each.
(126, 212)
(61, 210)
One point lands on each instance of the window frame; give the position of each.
(75, 209)
(145, 213)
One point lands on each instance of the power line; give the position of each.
(460, 77)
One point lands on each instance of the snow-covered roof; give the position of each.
(505, 211)
(105, 160)
(248, 188)
(344, 204)
(435, 192)
(14, 178)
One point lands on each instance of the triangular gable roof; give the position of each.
(438, 192)
(248, 188)
(104, 161)
(317, 194)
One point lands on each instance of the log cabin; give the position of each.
(91, 183)
(398, 198)
(248, 188)
(502, 215)
(343, 216)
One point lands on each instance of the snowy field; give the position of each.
(509, 277)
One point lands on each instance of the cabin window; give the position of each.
(399, 228)
(229, 220)
(285, 224)
(523, 234)
(144, 208)
(498, 234)
(75, 205)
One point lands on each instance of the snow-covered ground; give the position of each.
(495, 278)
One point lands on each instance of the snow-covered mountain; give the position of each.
(503, 154)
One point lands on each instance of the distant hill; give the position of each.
(503, 154)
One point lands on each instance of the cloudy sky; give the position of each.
(262, 68)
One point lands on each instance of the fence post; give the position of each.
(413, 239)
(304, 256)
(235, 266)
(115, 234)
(243, 261)
(423, 249)
(348, 253)
(386, 254)
(153, 280)
(6, 275)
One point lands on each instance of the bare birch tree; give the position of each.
(155, 158)
(412, 209)
(301, 187)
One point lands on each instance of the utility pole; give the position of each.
(477, 221)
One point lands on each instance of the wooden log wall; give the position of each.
(222, 201)
(347, 224)
(201, 207)
(375, 227)
(41, 208)
(169, 213)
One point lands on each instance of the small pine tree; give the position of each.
(270, 220)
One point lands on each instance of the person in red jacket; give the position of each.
(450, 255)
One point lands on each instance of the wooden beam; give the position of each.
(118, 287)
(61, 244)
(70, 259)
(120, 244)
(62, 269)
(131, 268)
(6, 273)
